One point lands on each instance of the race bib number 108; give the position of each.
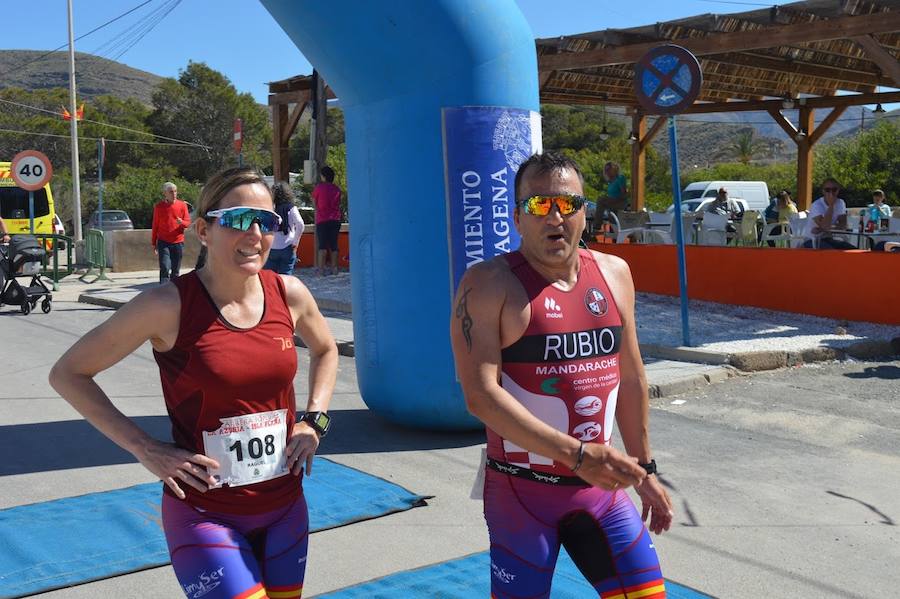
(249, 448)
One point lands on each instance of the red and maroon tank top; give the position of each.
(216, 370)
(565, 367)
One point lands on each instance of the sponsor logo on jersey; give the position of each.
(549, 386)
(587, 431)
(588, 406)
(501, 574)
(564, 347)
(205, 583)
(595, 302)
(554, 310)
(286, 342)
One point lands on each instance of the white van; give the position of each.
(696, 195)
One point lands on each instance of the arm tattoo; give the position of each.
(462, 313)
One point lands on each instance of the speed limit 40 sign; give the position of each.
(31, 170)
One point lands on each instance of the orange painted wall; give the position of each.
(306, 250)
(829, 283)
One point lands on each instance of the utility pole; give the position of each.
(76, 184)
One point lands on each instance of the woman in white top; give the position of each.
(283, 255)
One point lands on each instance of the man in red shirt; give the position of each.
(170, 219)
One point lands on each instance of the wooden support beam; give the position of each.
(294, 97)
(320, 147)
(886, 61)
(543, 78)
(755, 60)
(291, 123)
(738, 41)
(638, 160)
(280, 155)
(782, 122)
(656, 128)
(805, 160)
(821, 102)
(833, 116)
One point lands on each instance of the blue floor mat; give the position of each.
(469, 577)
(78, 539)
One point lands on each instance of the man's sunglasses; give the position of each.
(243, 217)
(830, 189)
(542, 205)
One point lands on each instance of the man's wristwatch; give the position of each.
(319, 421)
(649, 467)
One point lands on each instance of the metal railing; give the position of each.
(50, 266)
(95, 255)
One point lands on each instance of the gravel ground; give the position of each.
(713, 327)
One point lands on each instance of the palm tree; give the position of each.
(745, 145)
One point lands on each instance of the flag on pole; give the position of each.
(79, 113)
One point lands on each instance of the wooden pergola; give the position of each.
(802, 54)
(289, 98)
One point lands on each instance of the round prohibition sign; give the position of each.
(667, 80)
(31, 170)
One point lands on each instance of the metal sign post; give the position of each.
(667, 80)
(239, 140)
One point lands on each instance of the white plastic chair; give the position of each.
(746, 229)
(631, 225)
(687, 228)
(713, 229)
(781, 239)
(798, 226)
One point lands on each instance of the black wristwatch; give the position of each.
(319, 421)
(650, 467)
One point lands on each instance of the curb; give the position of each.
(96, 300)
(334, 305)
(690, 383)
(773, 359)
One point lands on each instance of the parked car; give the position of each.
(113, 220)
(755, 194)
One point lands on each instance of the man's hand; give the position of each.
(609, 468)
(656, 503)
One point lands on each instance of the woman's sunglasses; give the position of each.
(542, 205)
(243, 217)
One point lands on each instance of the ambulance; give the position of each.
(14, 206)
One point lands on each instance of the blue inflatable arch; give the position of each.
(396, 66)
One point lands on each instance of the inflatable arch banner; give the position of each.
(439, 100)
(483, 148)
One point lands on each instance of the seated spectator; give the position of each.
(887, 246)
(878, 204)
(784, 209)
(771, 212)
(722, 206)
(827, 213)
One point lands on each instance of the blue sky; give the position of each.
(240, 39)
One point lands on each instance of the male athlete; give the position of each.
(547, 353)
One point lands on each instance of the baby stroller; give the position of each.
(22, 258)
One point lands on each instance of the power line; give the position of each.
(57, 49)
(127, 39)
(120, 141)
(179, 141)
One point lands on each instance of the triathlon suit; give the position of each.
(564, 370)
(230, 395)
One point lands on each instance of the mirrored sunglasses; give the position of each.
(542, 205)
(243, 217)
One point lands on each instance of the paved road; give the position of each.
(785, 482)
